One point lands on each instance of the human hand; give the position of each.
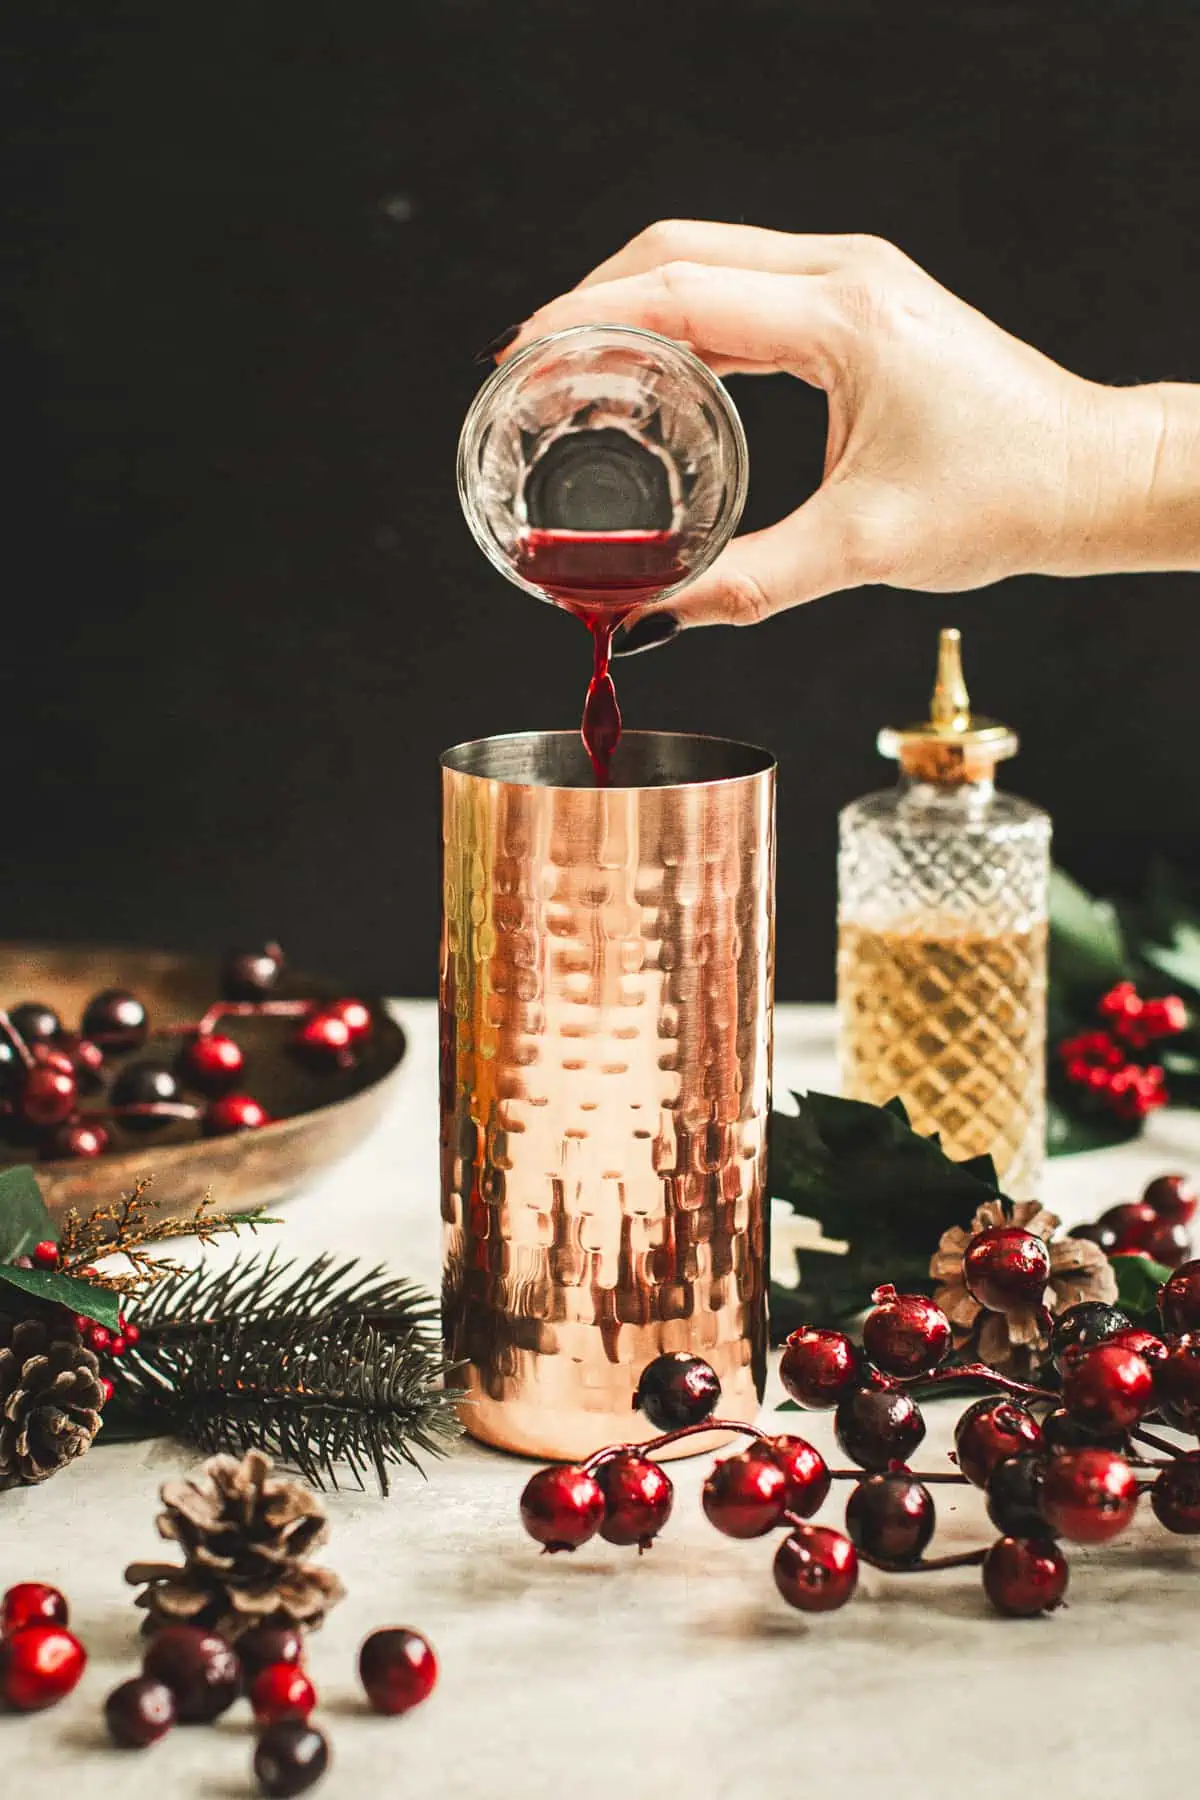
(956, 454)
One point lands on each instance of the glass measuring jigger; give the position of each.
(602, 468)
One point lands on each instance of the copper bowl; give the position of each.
(317, 1117)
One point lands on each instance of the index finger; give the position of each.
(733, 246)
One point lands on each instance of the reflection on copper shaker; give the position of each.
(605, 1005)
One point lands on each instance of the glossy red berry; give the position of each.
(1175, 1496)
(878, 1426)
(1177, 1380)
(1173, 1197)
(85, 1059)
(1144, 1343)
(807, 1474)
(39, 1666)
(251, 974)
(1025, 1576)
(98, 1339)
(281, 1691)
(234, 1112)
(638, 1496)
(1170, 1243)
(47, 1095)
(1179, 1298)
(816, 1569)
(324, 1040)
(891, 1518)
(133, 1334)
(75, 1139)
(1107, 1386)
(676, 1390)
(213, 1062)
(905, 1334)
(289, 1758)
(990, 1430)
(562, 1506)
(267, 1646)
(746, 1495)
(355, 1015)
(1089, 1496)
(819, 1368)
(139, 1712)
(32, 1603)
(398, 1669)
(45, 1254)
(106, 1390)
(1006, 1269)
(200, 1669)
(1133, 1222)
(115, 1020)
(118, 1344)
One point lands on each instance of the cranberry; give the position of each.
(1089, 1496)
(267, 1645)
(1175, 1495)
(98, 1339)
(990, 1430)
(144, 1084)
(1024, 1577)
(805, 1468)
(890, 1518)
(1107, 1386)
(1179, 1298)
(876, 1426)
(1173, 1197)
(637, 1498)
(1089, 1322)
(1177, 1378)
(905, 1334)
(200, 1669)
(47, 1096)
(281, 1691)
(212, 1062)
(36, 1022)
(562, 1506)
(1014, 1496)
(816, 1569)
(234, 1112)
(1144, 1343)
(323, 1039)
(75, 1138)
(1061, 1431)
(139, 1712)
(31, 1603)
(45, 1254)
(356, 1016)
(677, 1390)
(39, 1666)
(251, 974)
(1006, 1269)
(746, 1495)
(1170, 1243)
(1133, 1223)
(291, 1756)
(398, 1669)
(116, 1020)
(819, 1368)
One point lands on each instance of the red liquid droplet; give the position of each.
(601, 576)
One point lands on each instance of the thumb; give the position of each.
(765, 572)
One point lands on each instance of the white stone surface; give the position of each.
(678, 1674)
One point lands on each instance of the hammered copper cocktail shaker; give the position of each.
(605, 1005)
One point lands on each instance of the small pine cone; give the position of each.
(50, 1397)
(244, 1537)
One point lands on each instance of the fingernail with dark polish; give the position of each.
(646, 634)
(500, 342)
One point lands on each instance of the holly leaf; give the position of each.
(65, 1290)
(1087, 946)
(1069, 1131)
(1138, 1282)
(24, 1220)
(1179, 960)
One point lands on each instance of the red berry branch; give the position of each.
(1057, 1461)
(1111, 1064)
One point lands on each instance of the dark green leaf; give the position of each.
(63, 1290)
(1138, 1282)
(1179, 960)
(1087, 949)
(24, 1220)
(1069, 1131)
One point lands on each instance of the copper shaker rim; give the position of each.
(644, 761)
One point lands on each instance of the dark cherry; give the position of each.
(891, 1519)
(1089, 1496)
(86, 1061)
(200, 1669)
(144, 1084)
(1024, 1577)
(1095, 1233)
(212, 1062)
(1014, 1493)
(290, 1757)
(323, 1039)
(234, 1112)
(139, 1712)
(905, 1334)
(1006, 1269)
(876, 1426)
(562, 1506)
(1173, 1197)
(1089, 1322)
(637, 1498)
(268, 1645)
(1175, 1495)
(281, 1691)
(746, 1495)
(251, 974)
(11, 1067)
(819, 1368)
(1179, 1298)
(806, 1470)
(48, 1095)
(39, 1666)
(677, 1389)
(398, 1669)
(988, 1431)
(35, 1021)
(75, 1139)
(816, 1569)
(1060, 1431)
(1177, 1380)
(1106, 1386)
(116, 1020)
(1170, 1243)
(1133, 1222)
(32, 1603)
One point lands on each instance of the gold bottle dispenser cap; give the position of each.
(953, 744)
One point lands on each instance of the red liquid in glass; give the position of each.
(601, 576)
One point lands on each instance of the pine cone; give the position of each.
(244, 1536)
(50, 1398)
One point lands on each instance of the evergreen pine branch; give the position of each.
(265, 1291)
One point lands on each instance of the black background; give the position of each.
(249, 254)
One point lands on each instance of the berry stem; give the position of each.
(16, 1040)
(151, 1109)
(238, 1009)
(942, 1475)
(1155, 1442)
(675, 1437)
(1000, 1384)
